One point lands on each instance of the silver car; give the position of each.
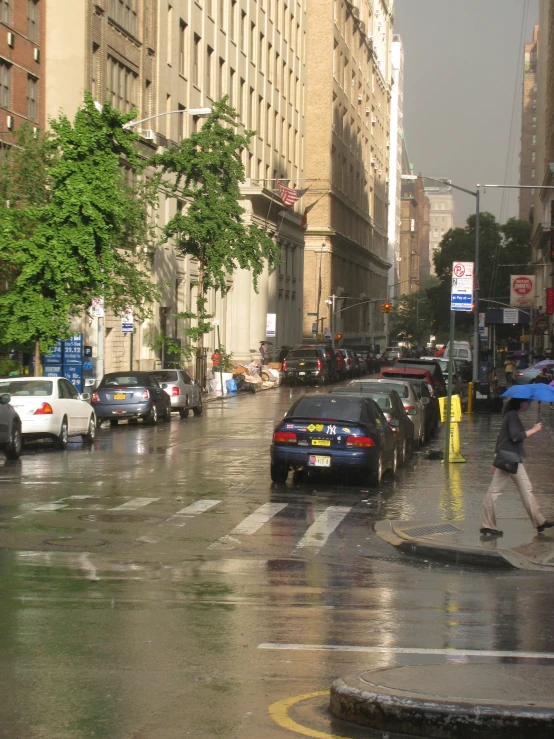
(413, 404)
(184, 393)
(525, 376)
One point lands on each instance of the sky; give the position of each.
(463, 62)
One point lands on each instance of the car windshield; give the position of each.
(22, 388)
(122, 381)
(320, 406)
(385, 387)
(165, 375)
(302, 354)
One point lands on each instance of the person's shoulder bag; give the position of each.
(507, 461)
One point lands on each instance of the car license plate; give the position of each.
(119, 396)
(315, 460)
(301, 373)
(321, 442)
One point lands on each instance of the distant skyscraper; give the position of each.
(441, 216)
(528, 165)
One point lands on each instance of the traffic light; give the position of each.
(386, 307)
(338, 337)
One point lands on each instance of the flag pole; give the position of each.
(269, 209)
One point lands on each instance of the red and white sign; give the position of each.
(522, 291)
(462, 269)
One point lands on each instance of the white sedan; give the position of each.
(50, 407)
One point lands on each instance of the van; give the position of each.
(462, 350)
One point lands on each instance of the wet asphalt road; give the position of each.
(150, 583)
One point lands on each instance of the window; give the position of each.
(534, 139)
(221, 78)
(534, 120)
(532, 174)
(94, 77)
(222, 6)
(122, 85)
(182, 46)
(124, 13)
(532, 156)
(232, 88)
(209, 72)
(234, 20)
(261, 54)
(5, 97)
(251, 108)
(196, 60)
(6, 12)
(169, 33)
(181, 122)
(252, 40)
(259, 124)
(243, 31)
(241, 100)
(32, 20)
(270, 62)
(31, 98)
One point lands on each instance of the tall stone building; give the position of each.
(441, 215)
(347, 164)
(22, 79)
(414, 236)
(395, 146)
(528, 152)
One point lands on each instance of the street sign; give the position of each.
(127, 322)
(55, 354)
(549, 301)
(215, 322)
(462, 286)
(524, 338)
(73, 350)
(271, 325)
(511, 315)
(97, 308)
(522, 291)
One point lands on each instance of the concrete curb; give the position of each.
(214, 398)
(444, 553)
(363, 700)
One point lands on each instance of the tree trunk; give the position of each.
(37, 360)
(200, 364)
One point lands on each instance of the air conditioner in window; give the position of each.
(35, 130)
(380, 172)
(148, 134)
(360, 98)
(373, 120)
(387, 181)
(367, 111)
(388, 144)
(9, 122)
(11, 39)
(374, 161)
(36, 54)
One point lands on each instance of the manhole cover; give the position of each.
(444, 528)
(117, 518)
(74, 542)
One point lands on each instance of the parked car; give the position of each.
(131, 396)
(419, 377)
(393, 409)
(392, 353)
(11, 441)
(50, 407)
(431, 365)
(414, 404)
(344, 432)
(456, 373)
(184, 393)
(432, 408)
(525, 376)
(350, 362)
(306, 364)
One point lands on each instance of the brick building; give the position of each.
(528, 152)
(414, 236)
(22, 39)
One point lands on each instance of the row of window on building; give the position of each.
(6, 17)
(6, 90)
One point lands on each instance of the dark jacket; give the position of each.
(512, 434)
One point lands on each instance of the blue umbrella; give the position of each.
(544, 363)
(533, 391)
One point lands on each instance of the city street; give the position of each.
(158, 584)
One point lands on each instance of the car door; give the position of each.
(71, 402)
(191, 390)
(160, 396)
(80, 408)
(4, 422)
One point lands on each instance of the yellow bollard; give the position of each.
(470, 397)
(455, 455)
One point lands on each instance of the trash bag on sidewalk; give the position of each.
(231, 386)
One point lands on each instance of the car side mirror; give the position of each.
(425, 401)
(85, 396)
(5, 398)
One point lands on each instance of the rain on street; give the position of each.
(159, 585)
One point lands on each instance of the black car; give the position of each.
(10, 429)
(130, 395)
(432, 366)
(390, 403)
(345, 432)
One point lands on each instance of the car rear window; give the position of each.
(123, 380)
(401, 389)
(302, 354)
(346, 408)
(462, 353)
(164, 376)
(27, 388)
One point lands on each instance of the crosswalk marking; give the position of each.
(181, 518)
(322, 528)
(199, 507)
(250, 524)
(133, 505)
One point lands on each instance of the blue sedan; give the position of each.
(334, 432)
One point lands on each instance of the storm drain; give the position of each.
(444, 528)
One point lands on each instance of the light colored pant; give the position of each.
(525, 490)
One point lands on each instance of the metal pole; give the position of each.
(449, 393)
(100, 350)
(476, 294)
(319, 293)
(333, 297)
(220, 360)
(131, 361)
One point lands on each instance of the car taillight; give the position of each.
(410, 410)
(318, 364)
(145, 395)
(175, 391)
(45, 409)
(520, 374)
(284, 437)
(95, 398)
(359, 441)
(284, 365)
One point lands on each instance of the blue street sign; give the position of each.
(55, 354)
(87, 365)
(74, 373)
(461, 301)
(52, 370)
(73, 350)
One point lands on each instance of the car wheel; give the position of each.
(394, 466)
(402, 455)
(15, 445)
(152, 417)
(184, 412)
(197, 410)
(279, 472)
(89, 437)
(60, 441)
(376, 475)
(167, 414)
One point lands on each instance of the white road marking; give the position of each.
(322, 528)
(132, 505)
(81, 497)
(50, 507)
(406, 650)
(199, 507)
(250, 524)
(181, 518)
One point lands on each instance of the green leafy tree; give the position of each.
(411, 319)
(206, 171)
(77, 232)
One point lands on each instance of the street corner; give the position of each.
(450, 701)
(460, 543)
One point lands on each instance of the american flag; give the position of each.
(288, 195)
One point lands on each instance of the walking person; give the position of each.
(510, 439)
(509, 370)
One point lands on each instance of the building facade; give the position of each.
(414, 236)
(528, 150)
(395, 146)
(441, 214)
(22, 79)
(347, 165)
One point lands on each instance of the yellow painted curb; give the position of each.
(279, 712)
